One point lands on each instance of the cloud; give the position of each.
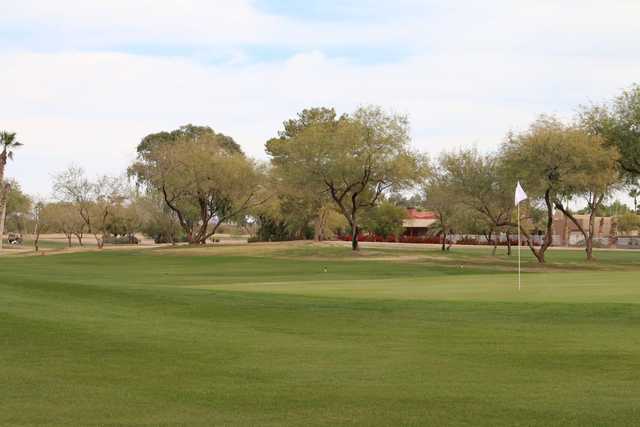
(567, 27)
(122, 24)
(469, 71)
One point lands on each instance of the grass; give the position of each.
(262, 335)
(45, 244)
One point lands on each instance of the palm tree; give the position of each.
(8, 143)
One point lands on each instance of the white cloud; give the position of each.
(475, 70)
(569, 26)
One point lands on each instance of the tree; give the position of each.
(95, 200)
(593, 179)
(109, 193)
(531, 157)
(8, 143)
(415, 199)
(634, 193)
(39, 223)
(303, 199)
(283, 218)
(151, 142)
(125, 220)
(73, 187)
(618, 123)
(354, 160)
(157, 220)
(439, 198)
(615, 208)
(385, 220)
(468, 221)
(203, 177)
(63, 217)
(18, 208)
(479, 183)
(628, 223)
(557, 163)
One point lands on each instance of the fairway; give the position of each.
(307, 334)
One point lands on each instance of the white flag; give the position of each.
(520, 194)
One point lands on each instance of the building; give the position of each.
(417, 223)
(566, 233)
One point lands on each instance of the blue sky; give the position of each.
(83, 81)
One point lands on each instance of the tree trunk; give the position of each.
(99, 241)
(321, 219)
(354, 237)
(539, 254)
(3, 215)
(587, 234)
(508, 243)
(495, 243)
(3, 163)
(548, 237)
(68, 239)
(589, 248)
(444, 241)
(36, 233)
(589, 238)
(4, 193)
(4, 198)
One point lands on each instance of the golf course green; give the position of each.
(310, 334)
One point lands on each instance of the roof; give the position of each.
(418, 223)
(413, 213)
(418, 219)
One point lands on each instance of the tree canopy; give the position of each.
(479, 183)
(618, 123)
(557, 163)
(203, 177)
(353, 159)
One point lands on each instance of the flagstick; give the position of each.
(520, 196)
(519, 244)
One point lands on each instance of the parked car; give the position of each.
(14, 239)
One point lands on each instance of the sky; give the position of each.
(82, 82)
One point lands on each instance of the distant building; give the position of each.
(417, 223)
(566, 233)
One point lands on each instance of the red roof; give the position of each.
(413, 213)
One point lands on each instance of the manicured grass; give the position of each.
(46, 244)
(263, 336)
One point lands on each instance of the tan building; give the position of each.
(566, 233)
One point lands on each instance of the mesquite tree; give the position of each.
(556, 163)
(203, 177)
(479, 183)
(94, 201)
(353, 160)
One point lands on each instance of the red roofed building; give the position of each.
(418, 222)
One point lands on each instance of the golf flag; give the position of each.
(520, 194)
